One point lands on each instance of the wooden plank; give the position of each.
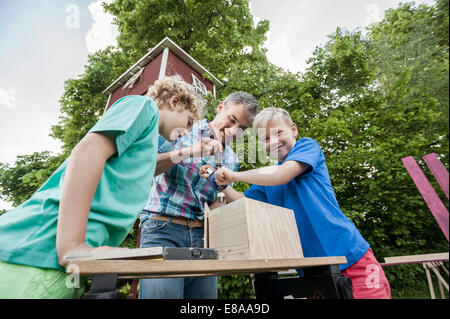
(236, 252)
(430, 281)
(430, 196)
(443, 267)
(165, 276)
(438, 275)
(251, 229)
(272, 231)
(161, 268)
(206, 226)
(134, 253)
(436, 268)
(228, 231)
(434, 265)
(415, 259)
(439, 171)
(441, 290)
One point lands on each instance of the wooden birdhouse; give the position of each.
(250, 229)
(165, 59)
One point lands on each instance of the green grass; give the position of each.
(422, 292)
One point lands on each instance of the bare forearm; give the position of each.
(231, 194)
(82, 175)
(205, 147)
(168, 160)
(271, 175)
(264, 176)
(216, 203)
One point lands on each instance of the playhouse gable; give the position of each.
(164, 59)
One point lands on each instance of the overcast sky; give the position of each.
(45, 42)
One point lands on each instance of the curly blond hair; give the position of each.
(162, 90)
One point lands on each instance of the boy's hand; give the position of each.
(224, 176)
(206, 147)
(83, 248)
(206, 170)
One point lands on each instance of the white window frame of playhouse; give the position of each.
(133, 80)
(199, 85)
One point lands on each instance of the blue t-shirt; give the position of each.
(324, 230)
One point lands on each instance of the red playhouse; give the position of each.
(165, 59)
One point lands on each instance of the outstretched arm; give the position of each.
(230, 194)
(168, 160)
(264, 176)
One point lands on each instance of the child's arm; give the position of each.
(230, 194)
(264, 176)
(83, 172)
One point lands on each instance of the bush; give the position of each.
(410, 281)
(235, 287)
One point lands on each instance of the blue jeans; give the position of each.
(157, 233)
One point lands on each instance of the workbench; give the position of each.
(429, 262)
(322, 277)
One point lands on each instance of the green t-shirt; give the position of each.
(28, 232)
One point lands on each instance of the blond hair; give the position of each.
(270, 113)
(162, 90)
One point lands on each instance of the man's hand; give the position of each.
(206, 147)
(224, 176)
(216, 204)
(206, 170)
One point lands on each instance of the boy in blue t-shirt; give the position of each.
(301, 182)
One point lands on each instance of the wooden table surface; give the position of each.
(415, 259)
(186, 268)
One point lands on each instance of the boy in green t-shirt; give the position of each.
(94, 198)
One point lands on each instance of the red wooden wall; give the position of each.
(151, 73)
(148, 76)
(177, 66)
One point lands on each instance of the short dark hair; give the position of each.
(247, 100)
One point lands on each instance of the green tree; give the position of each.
(142, 24)
(411, 40)
(370, 101)
(82, 102)
(19, 181)
(214, 32)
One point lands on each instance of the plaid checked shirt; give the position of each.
(181, 191)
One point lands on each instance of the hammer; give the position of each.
(220, 188)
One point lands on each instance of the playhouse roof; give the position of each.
(154, 52)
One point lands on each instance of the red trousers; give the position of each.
(368, 278)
